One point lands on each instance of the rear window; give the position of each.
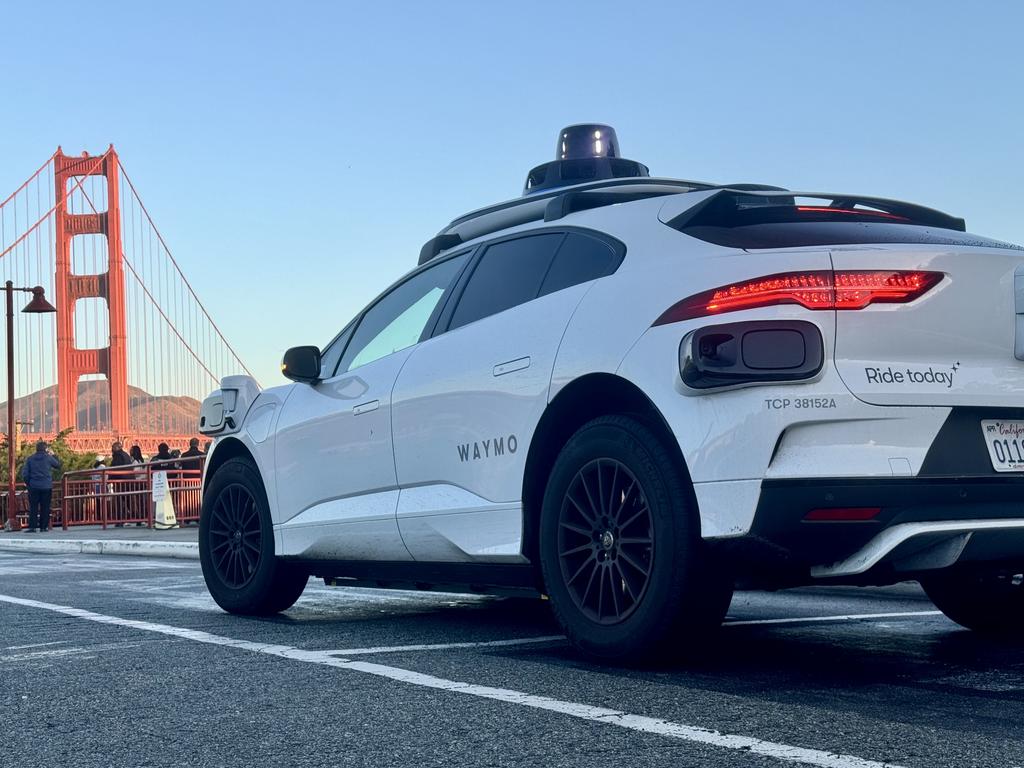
(784, 221)
(509, 273)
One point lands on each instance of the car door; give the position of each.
(467, 402)
(337, 487)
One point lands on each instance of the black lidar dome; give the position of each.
(584, 152)
(576, 142)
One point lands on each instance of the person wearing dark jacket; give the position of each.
(163, 453)
(193, 457)
(120, 482)
(38, 476)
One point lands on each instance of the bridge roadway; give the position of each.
(123, 661)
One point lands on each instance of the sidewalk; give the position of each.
(93, 540)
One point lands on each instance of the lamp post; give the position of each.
(38, 305)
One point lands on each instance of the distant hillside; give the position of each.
(147, 413)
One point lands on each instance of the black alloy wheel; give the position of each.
(605, 541)
(619, 547)
(236, 544)
(235, 537)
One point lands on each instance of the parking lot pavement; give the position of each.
(126, 661)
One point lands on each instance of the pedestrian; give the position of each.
(136, 454)
(118, 456)
(119, 481)
(193, 457)
(163, 453)
(38, 476)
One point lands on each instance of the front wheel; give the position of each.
(236, 545)
(620, 549)
(989, 601)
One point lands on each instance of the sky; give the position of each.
(297, 155)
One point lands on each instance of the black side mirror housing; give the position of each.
(302, 364)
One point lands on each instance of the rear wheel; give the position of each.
(236, 545)
(620, 549)
(989, 601)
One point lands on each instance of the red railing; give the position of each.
(121, 496)
(21, 505)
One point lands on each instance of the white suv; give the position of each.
(630, 394)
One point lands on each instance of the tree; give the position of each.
(69, 460)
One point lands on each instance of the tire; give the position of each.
(659, 596)
(990, 602)
(236, 545)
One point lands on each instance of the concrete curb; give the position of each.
(178, 549)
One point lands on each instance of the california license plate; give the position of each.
(1005, 443)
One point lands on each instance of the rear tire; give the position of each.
(987, 601)
(620, 550)
(236, 545)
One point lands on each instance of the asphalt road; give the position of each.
(108, 661)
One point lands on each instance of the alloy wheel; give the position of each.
(605, 541)
(236, 536)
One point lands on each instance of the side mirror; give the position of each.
(302, 364)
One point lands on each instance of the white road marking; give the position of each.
(445, 646)
(57, 653)
(845, 617)
(33, 645)
(643, 724)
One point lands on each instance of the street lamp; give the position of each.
(38, 305)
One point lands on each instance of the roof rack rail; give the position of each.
(572, 202)
(435, 245)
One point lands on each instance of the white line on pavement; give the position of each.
(445, 646)
(587, 712)
(33, 645)
(845, 617)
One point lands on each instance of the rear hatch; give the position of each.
(926, 313)
(957, 344)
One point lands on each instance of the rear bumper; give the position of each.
(922, 523)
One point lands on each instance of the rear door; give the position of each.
(467, 402)
(961, 343)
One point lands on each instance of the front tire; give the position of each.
(236, 545)
(987, 601)
(620, 550)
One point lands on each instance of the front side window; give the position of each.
(398, 319)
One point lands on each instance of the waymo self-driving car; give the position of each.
(629, 394)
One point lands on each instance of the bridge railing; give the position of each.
(122, 496)
(21, 504)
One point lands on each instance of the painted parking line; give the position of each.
(839, 618)
(446, 646)
(680, 731)
(559, 638)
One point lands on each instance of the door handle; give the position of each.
(511, 366)
(373, 405)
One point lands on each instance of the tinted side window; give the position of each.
(509, 273)
(398, 319)
(581, 258)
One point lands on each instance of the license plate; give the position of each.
(1005, 443)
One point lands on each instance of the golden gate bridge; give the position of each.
(131, 350)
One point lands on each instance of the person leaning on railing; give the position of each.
(38, 476)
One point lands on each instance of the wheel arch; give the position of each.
(580, 401)
(228, 448)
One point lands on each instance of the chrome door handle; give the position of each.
(373, 405)
(518, 364)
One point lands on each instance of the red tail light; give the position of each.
(819, 289)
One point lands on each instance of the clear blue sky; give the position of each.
(298, 154)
